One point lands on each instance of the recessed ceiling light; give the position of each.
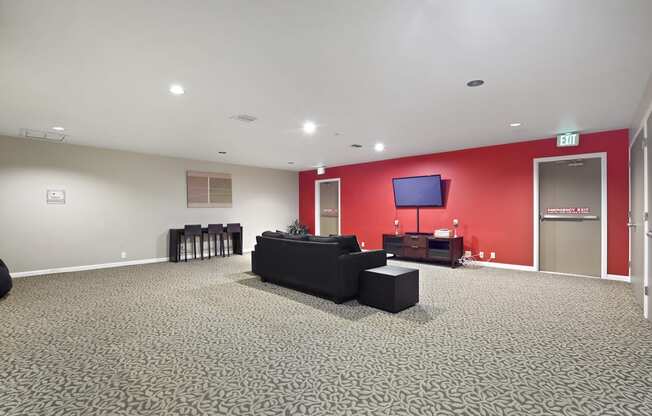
(356, 145)
(58, 128)
(309, 127)
(379, 147)
(475, 83)
(290, 163)
(177, 89)
(517, 124)
(222, 153)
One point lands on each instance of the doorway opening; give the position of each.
(327, 207)
(570, 215)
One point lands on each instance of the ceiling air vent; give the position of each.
(47, 136)
(245, 118)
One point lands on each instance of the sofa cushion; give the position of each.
(300, 237)
(319, 239)
(272, 234)
(348, 243)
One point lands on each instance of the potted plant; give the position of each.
(296, 228)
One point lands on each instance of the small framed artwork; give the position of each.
(56, 196)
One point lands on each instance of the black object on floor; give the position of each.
(217, 232)
(231, 230)
(176, 238)
(389, 288)
(192, 232)
(5, 279)
(321, 266)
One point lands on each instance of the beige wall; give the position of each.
(119, 201)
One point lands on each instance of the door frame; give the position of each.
(646, 224)
(339, 204)
(604, 218)
(646, 208)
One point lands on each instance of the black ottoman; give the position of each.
(389, 288)
(5, 279)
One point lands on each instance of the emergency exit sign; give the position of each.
(568, 139)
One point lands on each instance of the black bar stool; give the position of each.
(181, 238)
(193, 231)
(216, 230)
(230, 230)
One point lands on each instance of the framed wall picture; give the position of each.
(209, 190)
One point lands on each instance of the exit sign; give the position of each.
(568, 139)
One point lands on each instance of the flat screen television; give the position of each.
(418, 191)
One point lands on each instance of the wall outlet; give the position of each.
(492, 255)
(123, 255)
(467, 253)
(481, 254)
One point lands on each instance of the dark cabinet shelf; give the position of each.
(424, 247)
(439, 254)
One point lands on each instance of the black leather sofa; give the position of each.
(324, 266)
(5, 279)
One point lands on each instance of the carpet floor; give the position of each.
(209, 338)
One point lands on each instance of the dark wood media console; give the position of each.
(424, 247)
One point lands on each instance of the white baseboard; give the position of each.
(569, 274)
(99, 266)
(88, 267)
(508, 266)
(618, 277)
(491, 264)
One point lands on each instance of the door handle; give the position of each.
(569, 217)
(649, 234)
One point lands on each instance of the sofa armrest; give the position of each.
(350, 266)
(254, 269)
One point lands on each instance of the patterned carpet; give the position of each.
(208, 338)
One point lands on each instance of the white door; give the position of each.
(647, 298)
(570, 216)
(637, 216)
(327, 207)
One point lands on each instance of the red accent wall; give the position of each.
(489, 189)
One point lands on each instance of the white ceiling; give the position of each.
(389, 71)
